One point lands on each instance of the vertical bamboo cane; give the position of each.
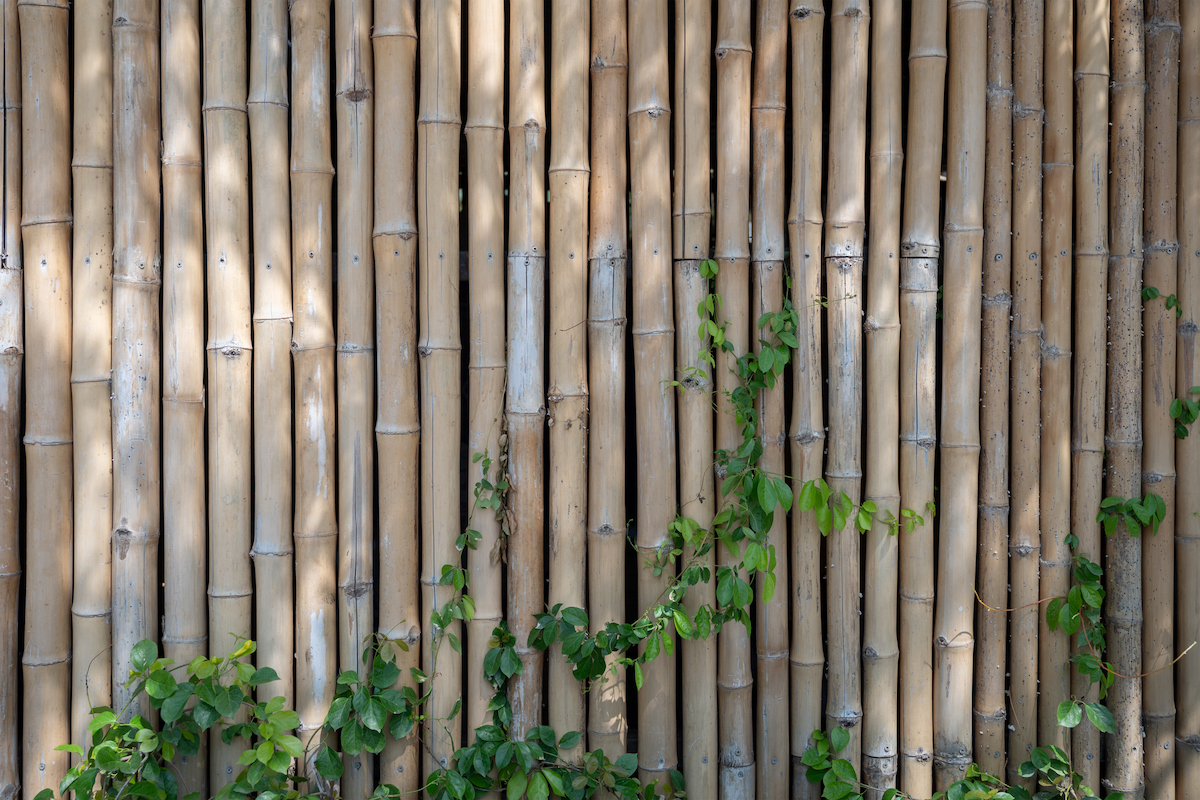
(991, 704)
(91, 352)
(136, 387)
(768, 107)
(46, 237)
(920, 248)
(398, 428)
(185, 623)
(653, 353)
(881, 648)
(1158, 391)
(807, 432)
(440, 348)
(1054, 670)
(692, 217)
(267, 107)
(608, 264)
(568, 394)
(1091, 291)
(1123, 421)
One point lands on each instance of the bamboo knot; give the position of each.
(1188, 330)
(1050, 351)
(1001, 300)
(1024, 549)
(804, 12)
(1152, 477)
(1020, 111)
(1192, 741)
(356, 589)
(232, 351)
(357, 95)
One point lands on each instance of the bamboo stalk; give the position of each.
(807, 432)
(1159, 391)
(881, 648)
(398, 427)
(608, 266)
(1123, 421)
(46, 238)
(1091, 293)
(991, 655)
(568, 394)
(267, 107)
(920, 247)
(91, 352)
(653, 353)
(768, 108)
(440, 350)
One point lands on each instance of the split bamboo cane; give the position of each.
(46, 238)
(608, 265)
(136, 386)
(398, 427)
(440, 350)
(1123, 421)
(267, 107)
(881, 648)
(567, 397)
(920, 248)
(768, 245)
(807, 431)
(1054, 670)
(185, 621)
(991, 654)
(91, 366)
(963, 265)
(653, 353)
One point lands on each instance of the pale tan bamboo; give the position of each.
(990, 701)
(692, 203)
(881, 648)
(227, 227)
(398, 426)
(1024, 538)
(567, 396)
(46, 238)
(440, 350)
(185, 621)
(1159, 391)
(1091, 290)
(653, 354)
(807, 431)
(920, 247)
(608, 265)
(272, 553)
(1054, 670)
(136, 386)
(768, 245)
(91, 353)
(1123, 612)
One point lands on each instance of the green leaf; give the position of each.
(352, 738)
(682, 624)
(1101, 717)
(627, 764)
(767, 498)
(1069, 714)
(838, 738)
(538, 789)
(143, 655)
(637, 678)
(844, 770)
(569, 740)
(517, 785)
(575, 617)
(329, 765)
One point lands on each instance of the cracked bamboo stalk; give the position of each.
(920, 248)
(46, 239)
(398, 425)
(807, 431)
(881, 648)
(654, 356)
(608, 265)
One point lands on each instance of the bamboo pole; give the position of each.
(185, 621)
(768, 245)
(1054, 670)
(267, 107)
(653, 353)
(991, 704)
(46, 238)
(91, 353)
(568, 394)
(1123, 420)
(920, 247)
(440, 350)
(398, 426)
(608, 266)
(807, 432)
(1091, 291)
(1159, 392)
(881, 648)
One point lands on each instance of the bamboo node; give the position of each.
(1050, 351)
(356, 589)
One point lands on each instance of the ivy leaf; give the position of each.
(767, 497)
(538, 789)
(517, 785)
(352, 738)
(1069, 714)
(143, 655)
(1101, 717)
(328, 764)
(838, 739)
